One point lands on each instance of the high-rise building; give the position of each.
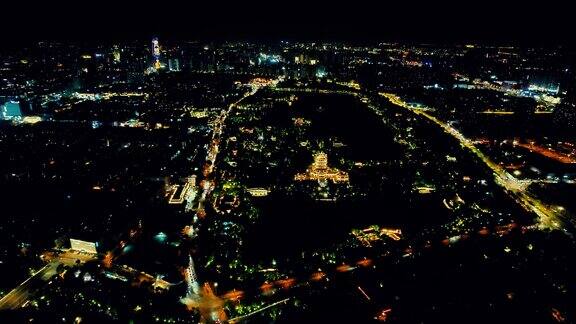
(116, 54)
(156, 52)
(174, 64)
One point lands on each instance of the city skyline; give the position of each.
(509, 22)
(246, 178)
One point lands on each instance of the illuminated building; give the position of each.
(191, 180)
(299, 121)
(179, 194)
(84, 246)
(258, 192)
(174, 64)
(375, 233)
(156, 52)
(31, 119)
(193, 288)
(320, 171)
(11, 109)
(116, 55)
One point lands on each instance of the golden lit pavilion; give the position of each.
(320, 171)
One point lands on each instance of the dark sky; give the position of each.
(547, 22)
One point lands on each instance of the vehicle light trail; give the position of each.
(240, 318)
(548, 217)
(364, 293)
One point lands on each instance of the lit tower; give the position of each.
(156, 52)
(210, 306)
(191, 279)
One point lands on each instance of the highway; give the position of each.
(18, 296)
(549, 217)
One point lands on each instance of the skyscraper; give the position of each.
(156, 52)
(174, 64)
(116, 54)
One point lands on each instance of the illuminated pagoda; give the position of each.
(320, 171)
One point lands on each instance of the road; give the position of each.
(549, 217)
(18, 296)
(207, 185)
(214, 148)
(244, 317)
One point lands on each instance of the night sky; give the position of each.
(502, 21)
